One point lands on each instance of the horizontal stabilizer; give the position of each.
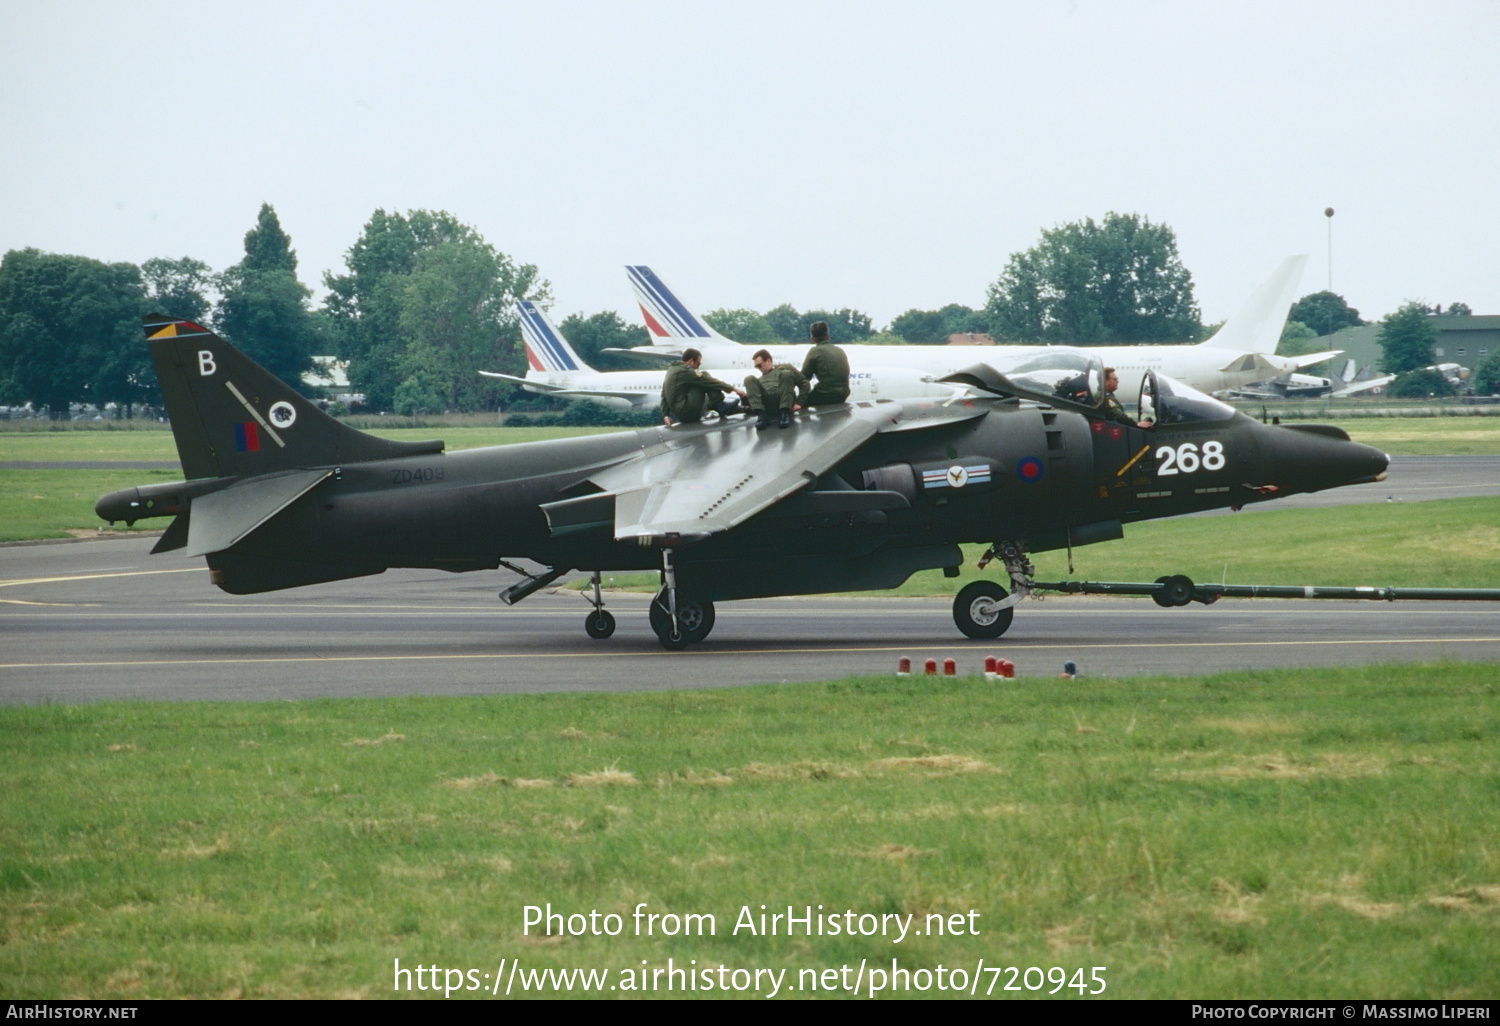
(220, 519)
(634, 398)
(540, 385)
(656, 356)
(1308, 360)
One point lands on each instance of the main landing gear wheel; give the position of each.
(694, 620)
(599, 624)
(1176, 590)
(977, 612)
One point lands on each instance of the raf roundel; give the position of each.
(283, 415)
(1029, 469)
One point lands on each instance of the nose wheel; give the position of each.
(598, 624)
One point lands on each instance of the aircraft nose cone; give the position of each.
(1314, 457)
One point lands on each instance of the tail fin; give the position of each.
(232, 418)
(1257, 326)
(546, 349)
(667, 317)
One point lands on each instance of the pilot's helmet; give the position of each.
(1075, 388)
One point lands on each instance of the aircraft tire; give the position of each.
(599, 624)
(974, 614)
(1177, 590)
(695, 620)
(1159, 597)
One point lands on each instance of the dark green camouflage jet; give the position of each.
(855, 497)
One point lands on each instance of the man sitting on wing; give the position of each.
(779, 389)
(687, 393)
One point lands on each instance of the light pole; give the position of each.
(1328, 213)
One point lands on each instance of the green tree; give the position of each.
(177, 287)
(263, 309)
(591, 335)
(744, 326)
(1419, 384)
(394, 313)
(932, 327)
(921, 327)
(70, 331)
(786, 323)
(1486, 380)
(1460, 310)
(1406, 340)
(844, 325)
(1084, 283)
(1325, 313)
(1296, 339)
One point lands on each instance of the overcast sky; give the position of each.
(882, 156)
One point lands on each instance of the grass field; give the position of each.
(1278, 834)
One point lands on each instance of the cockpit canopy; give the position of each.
(1166, 401)
(1065, 373)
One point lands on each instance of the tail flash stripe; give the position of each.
(550, 347)
(651, 323)
(255, 413)
(654, 292)
(246, 437)
(175, 329)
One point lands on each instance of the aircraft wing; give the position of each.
(708, 480)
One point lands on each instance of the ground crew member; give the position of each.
(779, 389)
(687, 393)
(827, 364)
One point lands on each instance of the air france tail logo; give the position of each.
(206, 365)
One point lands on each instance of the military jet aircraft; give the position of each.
(854, 497)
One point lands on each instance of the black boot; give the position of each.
(786, 419)
(762, 421)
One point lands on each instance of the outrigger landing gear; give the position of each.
(983, 609)
(599, 624)
(678, 620)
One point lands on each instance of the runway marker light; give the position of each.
(903, 667)
(950, 668)
(1005, 668)
(929, 668)
(1070, 670)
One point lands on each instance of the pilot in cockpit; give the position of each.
(1110, 406)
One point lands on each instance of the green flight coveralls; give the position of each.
(686, 394)
(777, 389)
(827, 363)
(1111, 408)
